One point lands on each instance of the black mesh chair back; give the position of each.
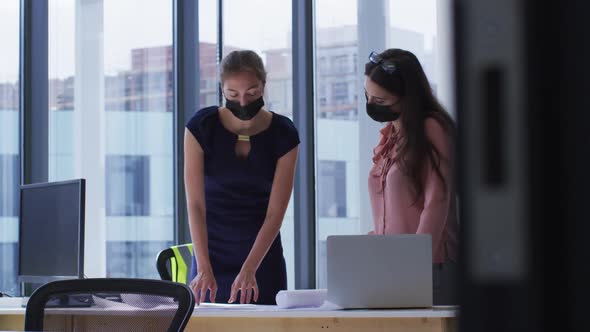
(109, 304)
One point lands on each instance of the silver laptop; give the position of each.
(380, 271)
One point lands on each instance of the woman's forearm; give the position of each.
(266, 236)
(198, 230)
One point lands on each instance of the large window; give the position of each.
(332, 180)
(345, 135)
(265, 27)
(9, 145)
(10, 181)
(128, 186)
(208, 34)
(111, 105)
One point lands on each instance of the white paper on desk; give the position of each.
(207, 305)
(227, 306)
(301, 298)
(326, 306)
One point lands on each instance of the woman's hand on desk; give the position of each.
(203, 282)
(246, 284)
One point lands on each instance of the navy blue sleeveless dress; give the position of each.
(237, 193)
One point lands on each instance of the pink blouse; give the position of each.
(395, 210)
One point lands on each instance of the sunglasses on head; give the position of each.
(387, 66)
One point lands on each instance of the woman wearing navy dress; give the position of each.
(238, 170)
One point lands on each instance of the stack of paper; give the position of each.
(302, 298)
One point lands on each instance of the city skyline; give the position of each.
(147, 32)
(151, 70)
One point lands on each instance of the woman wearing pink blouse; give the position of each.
(411, 182)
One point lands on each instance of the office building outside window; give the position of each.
(208, 67)
(332, 180)
(9, 145)
(128, 186)
(345, 135)
(111, 122)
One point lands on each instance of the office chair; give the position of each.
(174, 263)
(106, 304)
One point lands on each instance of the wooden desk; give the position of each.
(439, 319)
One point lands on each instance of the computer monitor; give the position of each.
(51, 231)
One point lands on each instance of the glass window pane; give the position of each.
(127, 179)
(111, 106)
(265, 27)
(337, 140)
(332, 180)
(422, 27)
(9, 145)
(429, 38)
(208, 33)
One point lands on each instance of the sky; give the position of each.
(129, 24)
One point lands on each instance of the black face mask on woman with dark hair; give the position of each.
(382, 113)
(246, 112)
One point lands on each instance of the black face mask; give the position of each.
(382, 113)
(247, 112)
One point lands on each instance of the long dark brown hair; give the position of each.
(417, 103)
